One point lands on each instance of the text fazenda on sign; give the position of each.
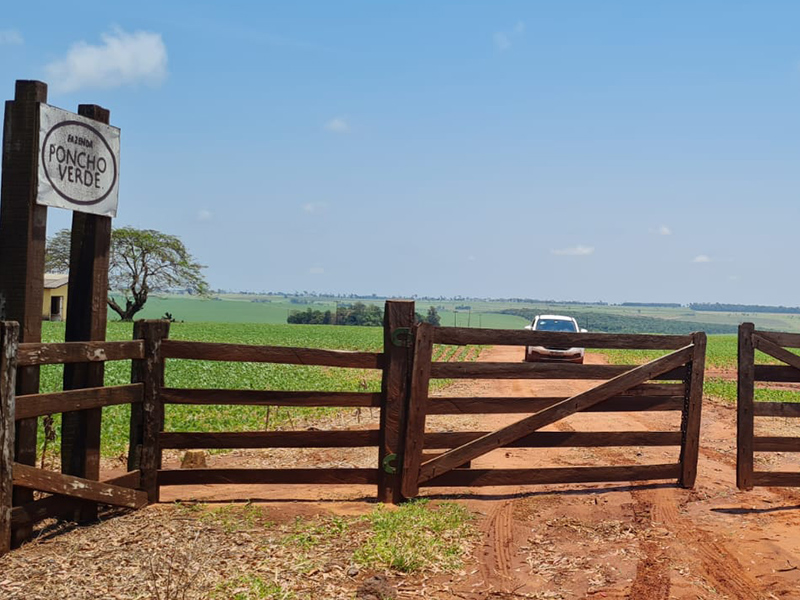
(79, 163)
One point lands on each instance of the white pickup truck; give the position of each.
(554, 323)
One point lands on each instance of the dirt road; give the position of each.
(640, 541)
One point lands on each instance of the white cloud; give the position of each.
(204, 215)
(664, 230)
(314, 207)
(121, 59)
(316, 270)
(702, 258)
(337, 125)
(503, 40)
(574, 251)
(11, 37)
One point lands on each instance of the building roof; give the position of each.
(55, 280)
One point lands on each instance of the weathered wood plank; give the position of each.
(521, 337)
(417, 409)
(562, 439)
(515, 431)
(9, 338)
(776, 479)
(147, 419)
(398, 317)
(776, 409)
(775, 351)
(23, 235)
(787, 340)
(486, 477)
(776, 444)
(36, 405)
(776, 373)
(58, 506)
(267, 476)
(271, 354)
(269, 398)
(76, 352)
(523, 370)
(270, 439)
(744, 408)
(690, 421)
(77, 487)
(484, 405)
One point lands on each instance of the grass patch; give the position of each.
(251, 587)
(725, 390)
(417, 536)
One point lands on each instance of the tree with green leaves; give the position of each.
(141, 261)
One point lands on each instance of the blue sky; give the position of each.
(617, 151)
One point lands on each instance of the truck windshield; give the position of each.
(556, 325)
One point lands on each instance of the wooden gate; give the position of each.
(774, 345)
(625, 388)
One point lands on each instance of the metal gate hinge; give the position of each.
(387, 466)
(402, 336)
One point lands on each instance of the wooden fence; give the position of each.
(406, 366)
(773, 344)
(70, 494)
(625, 388)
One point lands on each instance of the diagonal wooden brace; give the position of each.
(511, 433)
(776, 351)
(77, 487)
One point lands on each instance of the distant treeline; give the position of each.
(611, 323)
(368, 315)
(749, 308)
(355, 314)
(652, 304)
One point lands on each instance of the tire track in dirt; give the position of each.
(720, 567)
(497, 532)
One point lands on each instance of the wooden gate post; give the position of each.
(690, 425)
(23, 233)
(744, 408)
(86, 321)
(9, 335)
(147, 418)
(398, 346)
(417, 409)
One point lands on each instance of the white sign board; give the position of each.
(78, 163)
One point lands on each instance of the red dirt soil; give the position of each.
(645, 541)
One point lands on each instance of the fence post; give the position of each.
(692, 413)
(398, 345)
(86, 321)
(23, 232)
(9, 336)
(147, 418)
(417, 409)
(744, 408)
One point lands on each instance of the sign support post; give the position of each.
(86, 321)
(23, 233)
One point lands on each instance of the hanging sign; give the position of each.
(78, 163)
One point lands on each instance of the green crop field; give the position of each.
(274, 309)
(224, 375)
(721, 353)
